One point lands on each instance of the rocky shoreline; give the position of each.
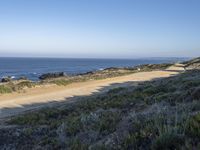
(8, 85)
(52, 75)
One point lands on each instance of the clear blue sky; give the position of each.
(100, 28)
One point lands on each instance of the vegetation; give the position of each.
(162, 114)
(193, 64)
(15, 86)
(60, 82)
(5, 89)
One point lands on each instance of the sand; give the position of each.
(53, 95)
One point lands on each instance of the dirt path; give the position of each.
(15, 103)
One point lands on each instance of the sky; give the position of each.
(99, 28)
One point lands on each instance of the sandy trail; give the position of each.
(34, 98)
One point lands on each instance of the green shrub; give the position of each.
(168, 141)
(28, 131)
(130, 142)
(116, 90)
(188, 84)
(22, 85)
(29, 119)
(50, 141)
(5, 89)
(25, 84)
(155, 90)
(100, 147)
(193, 126)
(108, 121)
(76, 144)
(74, 125)
(61, 82)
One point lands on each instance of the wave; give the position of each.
(12, 77)
(101, 69)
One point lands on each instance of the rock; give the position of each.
(23, 78)
(86, 73)
(6, 79)
(111, 68)
(51, 75)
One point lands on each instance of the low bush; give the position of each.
(168, 141)
(5, 89)
(193, 126)
(61, 82)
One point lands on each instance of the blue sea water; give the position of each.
(32, 68)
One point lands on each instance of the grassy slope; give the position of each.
(162, 114)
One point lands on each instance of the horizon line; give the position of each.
(49, 57)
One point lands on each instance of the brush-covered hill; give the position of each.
(193, 64)
(158, 115)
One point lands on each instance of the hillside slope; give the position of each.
(51, 95)
(193, 64)
(161, 114)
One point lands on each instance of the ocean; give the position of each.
(32, 68)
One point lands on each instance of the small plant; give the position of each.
(22, 85)
(116, 90)
(74, 125)
(5, 89)
(168, 140)
(30, 119)
(53, 142)
(61, 82)
(130, 142)
(107, 122)
(76, 144)
(28, 131)
(193, 126)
